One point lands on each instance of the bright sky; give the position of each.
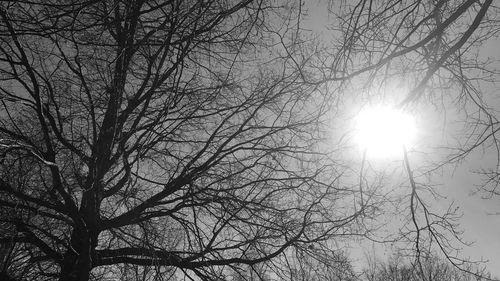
(456, 183)
(479, 222)
(383, 131)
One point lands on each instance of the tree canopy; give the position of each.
(192, 139)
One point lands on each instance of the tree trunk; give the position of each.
(75, 268)
(6, 277)
(77, 262)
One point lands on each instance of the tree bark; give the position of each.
(77, 261)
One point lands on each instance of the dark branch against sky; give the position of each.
(194, 138)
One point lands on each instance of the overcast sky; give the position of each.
(456, 182)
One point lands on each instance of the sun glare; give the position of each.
(383, 131)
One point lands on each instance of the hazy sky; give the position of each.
(479, 222)
(457, 183)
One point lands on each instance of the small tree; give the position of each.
(398, 268)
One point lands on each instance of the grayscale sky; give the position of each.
(457, 183)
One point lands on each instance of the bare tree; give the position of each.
(398, 268)
(320, 264)
(187, 138)
(176, 138)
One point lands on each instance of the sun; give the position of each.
(384, 131)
